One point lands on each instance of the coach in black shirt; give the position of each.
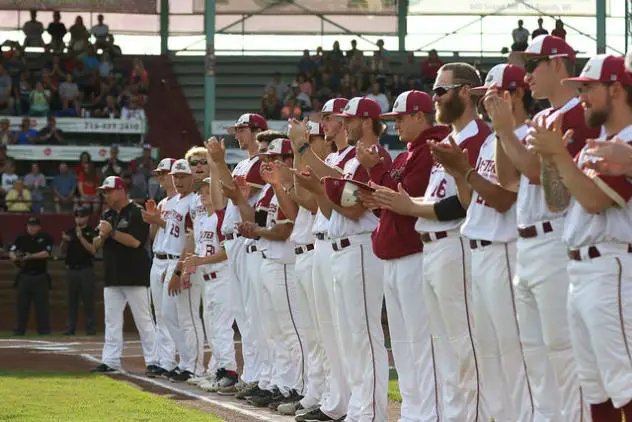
(29, 253)
(123, 234)
(77, 244)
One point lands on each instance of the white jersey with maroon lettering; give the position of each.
(178, 221)
(283, 251)
(302, 232)
(164, 206)
(482, 221)
(336, 160)
(232, 215)
(198, 209)
(209, 239)
(441, 185)
(613, 225)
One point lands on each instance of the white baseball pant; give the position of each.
(182, 318)
(505, 392)
(448, 298)
(541, 293)
(278, 312)
(600, 316)
(115, 299)
(335, 399)
(165, 346)
(218, 319)
(358, 295)
(307, 329)
(411, 340)
(236, 252)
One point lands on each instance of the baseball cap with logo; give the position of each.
(410, 102)
(335, 105)
(602, 68)
(548, 46)
(343, 192)
(361, 107)
(164, 166)
(279, 146)
(181, 166)
(315, 129)
(251, 120)
(112, 183)
(503, 76)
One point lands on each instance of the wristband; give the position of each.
(303, 148)
(287, 190)
(468, 174)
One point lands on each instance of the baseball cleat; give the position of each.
(315, 415)
(182, 376)
(153, 371)
(292, 409)
(104, 369)
(172, 373)
(250, 391)
(198, 380)
(227, 384)
(265, 397)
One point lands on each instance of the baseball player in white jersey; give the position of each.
(166, 348)
(446, 256)
(541, 281)
(598, 232)
(335, 399)
(490, 226)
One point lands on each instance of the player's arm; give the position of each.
(213, 259)
(508, 175)
(525, 161)
(280, 231)
(556, 194)
(493, 194)
(288, 206)
(318, 166)
(217, 198)
(246, 211)
(299, 194)
(137, 234)
(87, 244)
(46, 253)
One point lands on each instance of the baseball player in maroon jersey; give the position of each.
(335, 400)
(446, 256)
(598, 233)
(398, 245)
(541, 282)
(490, 226)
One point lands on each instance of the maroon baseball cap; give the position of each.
(548, 46)
(112, 183)
(602, 68)
(251, 120)
(503, 76)
(361, 107)
(410, 102)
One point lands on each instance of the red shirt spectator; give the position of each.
(430, 66)
(559, 30)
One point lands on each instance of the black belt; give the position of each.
(532, 231)
(474, 244)
(251, 248)
(210, 276)
(78, 267)
(303, 249)
(340, 244)
(166, 256)
(320, 236)
(427, 238)
(231, 236)
(593, 252)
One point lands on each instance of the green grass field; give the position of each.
(59, 396)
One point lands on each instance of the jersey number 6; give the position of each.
(439, 191)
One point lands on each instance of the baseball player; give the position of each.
(541, 282)
(397, 244)
(598, 233)
(490, 226)
(446, 257)
(166, 348)
(335, 400)
(357, 273)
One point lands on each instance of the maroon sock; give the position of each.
(605, 412)
(627, 411)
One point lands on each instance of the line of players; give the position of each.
(504, 257)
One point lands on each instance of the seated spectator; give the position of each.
(520, 37)
(18, 198)
(84, 158)
(377, 95)
(79, 37)
(306, 64)
(411, 68)
(35, 182)
(27, 135)
(291, 110)
(559, 30)
(112, 49)
(139, 75)
(9, 177)
(51, 85)
(430, 67)
(39, 100)
(138, 181)
(110, 109)
(6, 100)
(6, 136)
(33, 31)
(279, 87)
(22, 93)
(304, 85)
(56, 71)
(397, 86)
(69, 95)
(270, 108)
(540, 30)
(50, 134)
(105, 66)
(64, 187)
(90, 59)
(113, 166)
(15, 66)
(302, 99)
(135, 193)
(145, 163)
(100, 32)
(57, 30)
(87, 184)
(132, 110)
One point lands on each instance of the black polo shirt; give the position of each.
(125, 266)
(77, 256)
(32, 245)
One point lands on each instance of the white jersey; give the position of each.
(337, 160)
(164, 206)
(232, 216)
(197, 210)
(209, 239)
(482, 221)
(178, 223)
(282, 251)
(441, 185)
(614, 225)
(302, 232)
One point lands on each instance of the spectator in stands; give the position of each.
(57, 30)
(84, 158)
(18, 198)
(306, 64)
(137, 182)
(33, 31)
(56, 69)
(132, 110)
(70, 95)
(6, 100)
(540, 30)
(50, 134)
(411, 68)
(26, 135)
(39, 99)
(303, 100)
(279, 87)
(15, 66)
(87, 183)
(35, 182)
(100, 32)
(270, 105)
(291, 110)
(318, 58)
(520, 37)
(90, 59)
(559, 30)
(145, 163)
(52, 86)
(113, 49)
(356, 62)
(336, 57)
(106, 66)
(64, 187)
(139, 74)
(79, 37)
(397, 86)
(430, 67)
(110, 109)
(3, 160)
(22, 93)
(113, 166)
(6, 136)
(353, 50)
(381, 98)
(8, 179)
(304, 84)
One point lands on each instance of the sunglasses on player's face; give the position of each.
(531, 65)
(441, 90)
(194, 163)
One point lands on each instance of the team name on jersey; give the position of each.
(487, 168)
(207, 236)
(197, 211)
(173, 215)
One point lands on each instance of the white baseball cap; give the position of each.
(164, 166)
(602, 68)
(181, 166)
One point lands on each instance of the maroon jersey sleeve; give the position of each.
(188, 222)
(351, 154)
(574, 120)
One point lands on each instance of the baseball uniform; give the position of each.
(337, 392)
(541, 287)
(447, 289)
(358, 296)
(492, 235)
(166, 348)
(399, 246)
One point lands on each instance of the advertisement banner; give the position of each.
(505, 7)
(70, 152)
(102, 6)
(300, 7)
(83, 125)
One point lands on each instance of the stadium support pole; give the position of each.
(601, 26)
(402, 24)
(164, 27)
(209, 79)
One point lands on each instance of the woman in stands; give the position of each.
(79, 37)
(87, 186)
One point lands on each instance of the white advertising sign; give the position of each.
(83, 125)
(69, 152)
(504, 7)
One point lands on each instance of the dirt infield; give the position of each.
(82, 354)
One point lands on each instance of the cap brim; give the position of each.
(232, 129)
(361, 185)
(105, 188)
(392, 115)
(160, 171)
(180, 172)
(575, 82)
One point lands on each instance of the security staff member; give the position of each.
(29, 253)
(77, 244)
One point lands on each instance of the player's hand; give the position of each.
(231, 192)
(216, 150)
(174, 285)
(397, 201)
(308, 180)
(105, 228)
(298, 133)
(499, 110)
(549, 143)
(613, 158)
(192, 262)
(151, 217)
(367, 155)
(286, 176)
(270, 174)
(454, 160)
(247, 229)
(150, 205)
(78, 232)
(366, 198)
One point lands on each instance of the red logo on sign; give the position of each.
(102, 152)
(48, 151)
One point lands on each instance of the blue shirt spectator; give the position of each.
(65, 182)
(26, 132)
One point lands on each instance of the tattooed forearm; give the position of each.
(556, 195)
